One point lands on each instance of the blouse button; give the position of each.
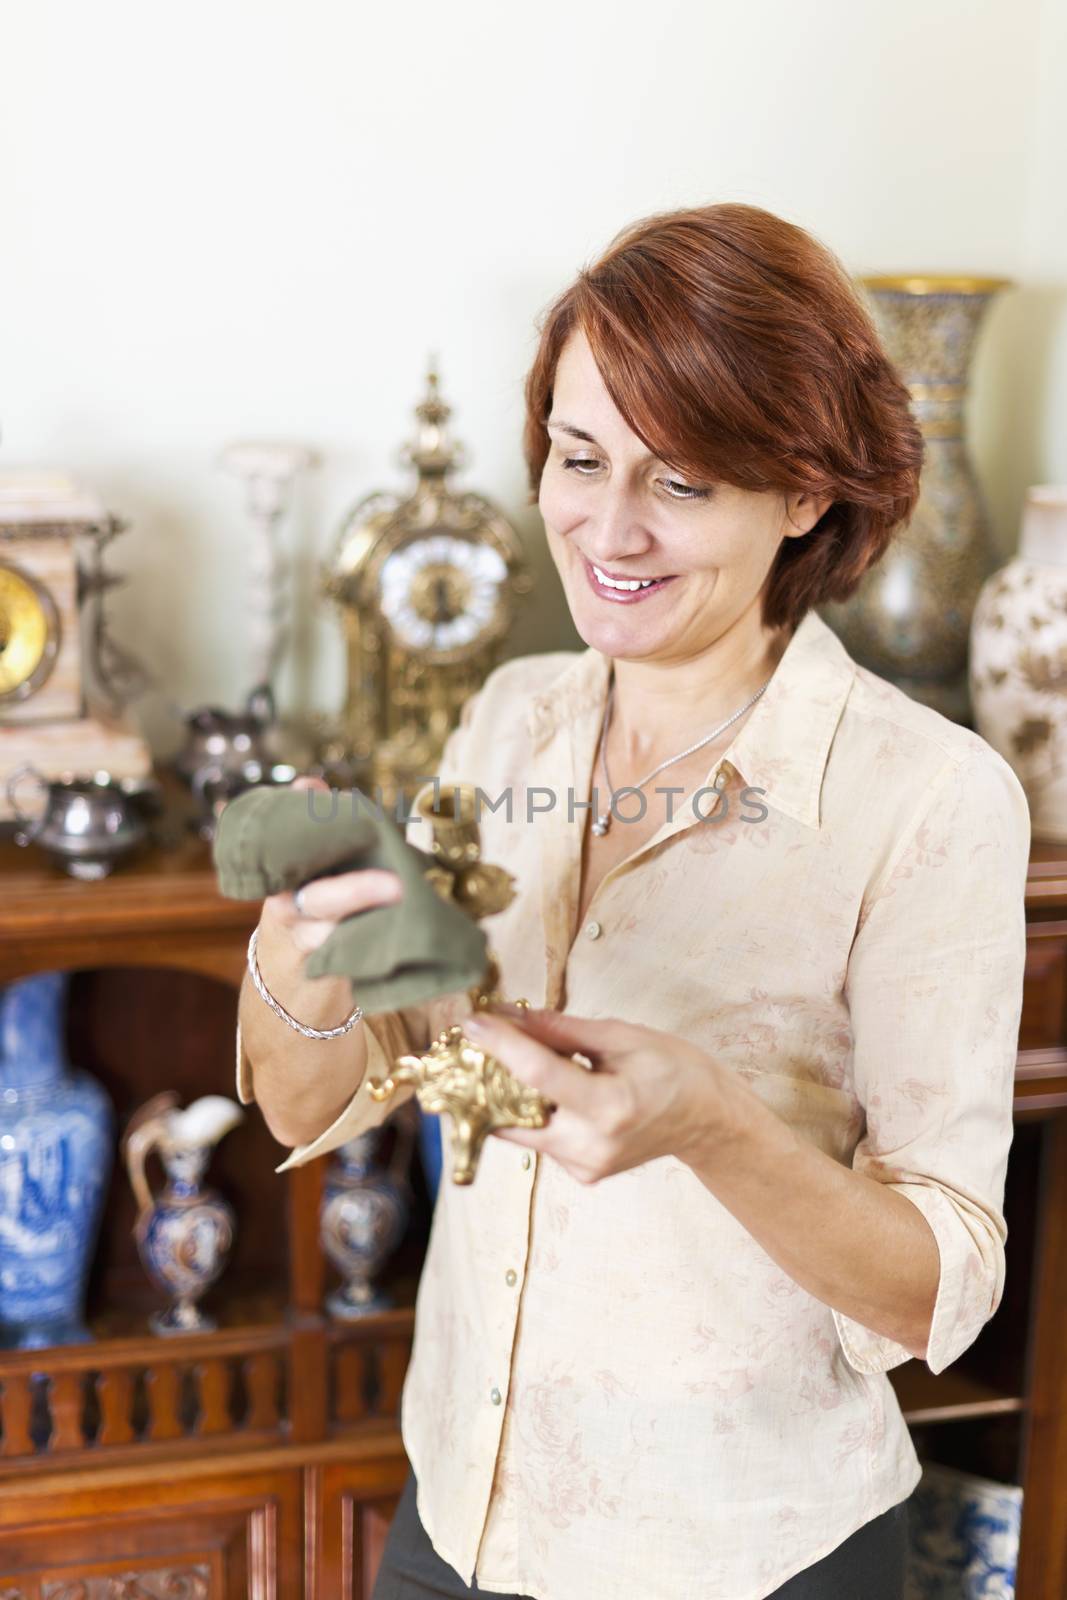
(526, 1162)
(592, 930)
(511, 1277)
(495, 1396)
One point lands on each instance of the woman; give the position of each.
(652, 1338)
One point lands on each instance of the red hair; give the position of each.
(736, 347)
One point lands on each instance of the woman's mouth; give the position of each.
(623, 591)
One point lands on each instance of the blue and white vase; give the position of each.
(364, 1212)
(55, 1161)
(964, 1536)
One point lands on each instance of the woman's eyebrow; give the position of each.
(568, 427)
(580, 433)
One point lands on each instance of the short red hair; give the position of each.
(736, 347)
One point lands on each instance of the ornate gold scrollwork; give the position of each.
(455, 1075)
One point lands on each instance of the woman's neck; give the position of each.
(658, 708)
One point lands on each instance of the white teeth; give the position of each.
(616, 583)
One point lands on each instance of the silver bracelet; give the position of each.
(279, 1010)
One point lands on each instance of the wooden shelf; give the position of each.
(950, 1396)
(124, 1400)
(266, 1453)
(1046, 882)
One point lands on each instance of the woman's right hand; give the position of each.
(326, 901)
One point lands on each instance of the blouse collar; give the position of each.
(782, 748)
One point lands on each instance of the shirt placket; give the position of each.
(507, 1287)
(565, 764)
(553, 766)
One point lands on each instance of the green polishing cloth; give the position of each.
(270, 838)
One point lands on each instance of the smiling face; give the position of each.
(614, 514)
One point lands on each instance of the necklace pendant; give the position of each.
(602, 824)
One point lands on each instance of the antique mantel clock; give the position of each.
(425, 585)
(47, 522)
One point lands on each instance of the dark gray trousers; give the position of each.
(870, 1563)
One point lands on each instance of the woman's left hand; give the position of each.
(649, 1094)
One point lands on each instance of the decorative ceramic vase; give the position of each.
(430, 1151)
(909, 619)
(964, 1537)
(184, 1234)
(55, 1160)
(364, 1212)
(1018, 666)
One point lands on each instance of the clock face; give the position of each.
(441, 593)
(28, 632)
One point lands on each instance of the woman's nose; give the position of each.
(612, 529)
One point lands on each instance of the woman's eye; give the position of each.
(684, 491)
(586, 466)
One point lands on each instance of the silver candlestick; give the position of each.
(269, 469)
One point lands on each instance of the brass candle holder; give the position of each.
(455, 1075)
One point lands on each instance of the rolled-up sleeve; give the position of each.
(934, 989)
(386, 1039)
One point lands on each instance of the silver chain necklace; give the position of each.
(603, 822)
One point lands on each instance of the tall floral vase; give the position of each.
(909, 620)
(1018, 662)
(55, 1160)
(183, 1233)
(364, 1211)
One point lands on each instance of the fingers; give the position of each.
(593, 1036)
(534, 1063)
(349, 892)
(324, 902)
(327, 901)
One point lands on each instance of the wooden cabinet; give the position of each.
(265, 1460)
(262, 1460)
(1001, 1410)
(218, 1536)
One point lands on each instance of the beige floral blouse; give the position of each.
(614, 1391)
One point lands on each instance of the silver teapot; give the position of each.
(87, 823)
(226, 752)
(225, 741)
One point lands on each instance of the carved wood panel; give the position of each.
(350, 1507)
(163, 1583)
(224, 1536)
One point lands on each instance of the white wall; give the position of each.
(256, 217)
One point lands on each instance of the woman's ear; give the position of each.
(803, 511)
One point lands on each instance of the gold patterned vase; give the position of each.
(909, 620)
(1018, 661)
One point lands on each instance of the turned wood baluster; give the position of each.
(66, 1402)
(17, 1403)
(115, 1388)
(164, 1400)
(350, 1376)
(261, 1383)
(214, 1380)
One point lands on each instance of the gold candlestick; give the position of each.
(455, 1074)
